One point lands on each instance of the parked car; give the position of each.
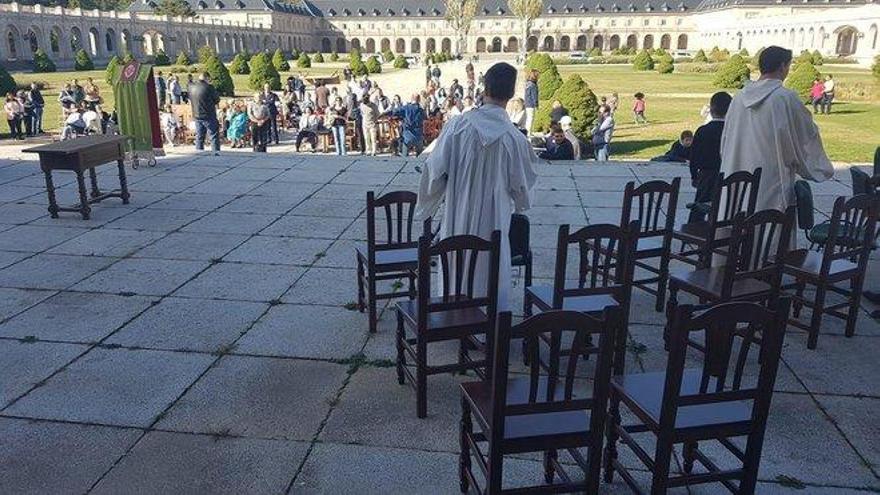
(577, 55)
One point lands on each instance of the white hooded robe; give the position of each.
(483, 167)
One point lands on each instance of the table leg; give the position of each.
(50, 190)
(93, 177)
(123, 182)
(84, 207)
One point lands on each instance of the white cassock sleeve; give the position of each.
(521, 176)
(810, 160)
(432, 186)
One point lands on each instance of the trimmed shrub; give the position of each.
(127, 57)
(801, 78)
(400, 62)
(356, 63)
(666, 65)
(7, 83)
(82, 61)
(183, 59)
(42, 62)
(334, 57)
(698, 68)
(294, 55)
(303, 62)
(818, 59)
(279, 61)
(161, 59)
(596, 52)
(220, 77)
(757, 56)
(239, 64)
(734, 74)
(373, 65)
(318, 58)
(112, 67)
(388, 56)
(577, 97)
(700, 57)
(262, 72)
(549, 79)
(643, 61)
(744, 53)
(205, 53)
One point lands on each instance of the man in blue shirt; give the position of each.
(413, 121)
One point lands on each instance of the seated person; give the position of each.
(559, 148)
(309, 124)
(168, 123)
(92, 119)
(73, 124)
(680, 151)
(705, 161)
(565, 124)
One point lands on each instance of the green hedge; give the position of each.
(400, 62)
(239, 64)
(7, 83)
(734, 74)
(42, 62)
(318, 58)
(262, 72)
(183, 59)
(82, 61)
(373, 65)
(279, 61)
(303, 62)
(643, 61)
(800, 79)
(577, 97)
(220, 78)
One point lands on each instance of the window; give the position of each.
(629, 22)
(613, 22)
(662, 22)
(647, 22)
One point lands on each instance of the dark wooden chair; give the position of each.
(604, 272)
(461, 312)
(390, 256)
(520, 251)
(654, 205)
(515, 414)
(736, 193)
(713, 404)
(844, 258)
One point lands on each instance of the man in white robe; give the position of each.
(482, 166)
(768, 126)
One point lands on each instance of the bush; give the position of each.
(239, 64)
(356, 63)
(388, 55)
(7, 83)
(303, 62)
(334, 57)
(817, 58)
(42, 62)
(220, 77)
(127, 57)
(182, 59)
(643, 61)
(757, 56)
(577, 97)
(373, 65)
(112, 67)
(744, 53)
(733, 74)
(82, 61)
(596, 52)
(801, 78)
(549, 79)
(666, 65)
(205, 53)
(318, 58)
(161, 59)
(698, 68)
(262, 72)
(294, 55)
(400, 62)
(700, 57)
(718, 55)
(278, 60)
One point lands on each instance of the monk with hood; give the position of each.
(482, 166)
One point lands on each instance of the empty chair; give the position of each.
(461, 312)
(515, 414)
(843, 260)
(816, 234)
(736, 193)
(653, 204)
(713, 403)
(520, 250)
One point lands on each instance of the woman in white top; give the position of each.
(516, 110)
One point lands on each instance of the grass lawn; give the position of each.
(850, 133)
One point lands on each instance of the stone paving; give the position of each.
(200, 339)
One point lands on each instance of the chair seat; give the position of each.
(479, 394)
(708, 281)
(392, 257)
(543, 297)
(437, 320)
(649, 244)
(699, 231)
(645, 391)
(808, 264)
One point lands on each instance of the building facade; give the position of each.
(846, 28)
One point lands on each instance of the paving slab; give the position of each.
(14, 301)
(52, 271)
(187, 464)
(857, 419)
(231, 223)
(320, 207)
(13, 213)
(24, 364)
(263, 397)
(43, 457)
(36, 238)
(107, 242)
(10, 257)
(326, 286)
(192, 246)
(193, 201)
(143, 276)
(837, 366)
(262, 204)
(156, 219)
(114, 387)
(309, 227)
(242, 281)
(280, 250)
(221, 185)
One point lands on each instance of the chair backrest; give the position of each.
(520, 232)
(398, 210)
(736, 193)
(463, 261)
(803, 194)
(758, 246)
(653, 204)
(860, 181)
(729, 330)
(851, 233)
(604, 264)
(555, 391)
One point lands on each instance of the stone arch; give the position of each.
(481, 45)
(355, 44)
(598, 41)
(267, 43)
(564, 44)
(822, 37)
(872, 36)
(217, 44)
(430, 45)
(532, 43)
(370, 45)
(55, 40)
(94, 42)
(125, 40)
(325, 45)
(682, 43)
(446, 45)
(811, 33)
(340, 45)
(202, 41)
(512, 44)
(399, 45)
(802, 38)
(581, 43)
(33, 39)
(76, 39)
(847, 41)
(614, 42)
(549, 44)
(110, 40)
(666, 42)
(632, 41)
(12, 37)
(386, 45)
(497, 45)
(415, 45)
(648, 42)
(191, 47)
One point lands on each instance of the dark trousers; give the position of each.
(359, 135)
(15, 127)
(273, 128)
(310, 137)
(260, 135)
(28, 121)
(707, 181)
(827, 100)
(209, 127)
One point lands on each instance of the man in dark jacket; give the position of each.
(270, 99)
(161, 89)
(37, 99)
(203, 98)
(705, 161)
(559, 147)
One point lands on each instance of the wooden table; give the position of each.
(79, 155)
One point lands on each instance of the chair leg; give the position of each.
(798, 299)
(816, 318)
(529, 272)
(401, 355)
(662, 460)
(360, 277)
(371, 302)
(671, 305)
(421, 377)
(855, 298)
(688, 452)
(464, 458)
(527, 312)
(611, 438)
(550, 457)
(663, 277)
(495, 475)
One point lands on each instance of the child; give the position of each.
(706, 154)
(680, 151)
(639, 109)
(168, 122)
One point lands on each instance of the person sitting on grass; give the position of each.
(558, 146)
(680, 151)
(639, 108)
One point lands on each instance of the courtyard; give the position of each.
(203, 339)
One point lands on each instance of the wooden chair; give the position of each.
(844, 258)
(713, 403)
(392, 256)
(184, 115)
(461, 312)
(656, 203)
(520, 252)
(753, 268)
(736, 193)
(603, 275)
(515, 414)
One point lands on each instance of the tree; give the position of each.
(643, 61)
(401, 63)
(220, 77)
(239, 64)
(526, 11)
(577, 97)
(817, 58)
(356, 63)
(800, 79)
(174, 8)
(373, 65)
(701, 57)
(7, 83)
(112, 67)
(460, 15)
(666, 64)
(205, 53)
(82, 61)
(733, 74)
(549, 79)
(388, 55)
(161, 59)
(334, 57)
(279, 61)
(303, 62)
(42, 62)
(183, 59)
(262, 72)
(318, 58)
